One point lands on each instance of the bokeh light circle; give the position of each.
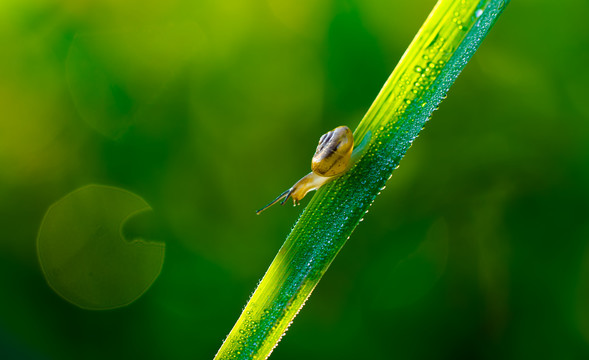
(84, 256)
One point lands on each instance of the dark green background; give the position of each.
(478, 248)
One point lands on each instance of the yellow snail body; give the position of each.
(334, 156)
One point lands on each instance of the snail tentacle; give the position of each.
(284, 195)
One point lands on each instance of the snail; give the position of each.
(334, 156)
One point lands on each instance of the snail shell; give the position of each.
(332, 158)
(333, 152)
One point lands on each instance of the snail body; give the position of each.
(333, 157)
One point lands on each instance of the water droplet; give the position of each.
(478, 13)
(418, 69)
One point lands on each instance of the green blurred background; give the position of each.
(478, 248)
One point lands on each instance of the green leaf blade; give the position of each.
(431, 64)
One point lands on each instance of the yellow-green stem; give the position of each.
(440, 50)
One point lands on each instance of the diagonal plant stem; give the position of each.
(442, 47)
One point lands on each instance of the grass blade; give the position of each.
(440, 50)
